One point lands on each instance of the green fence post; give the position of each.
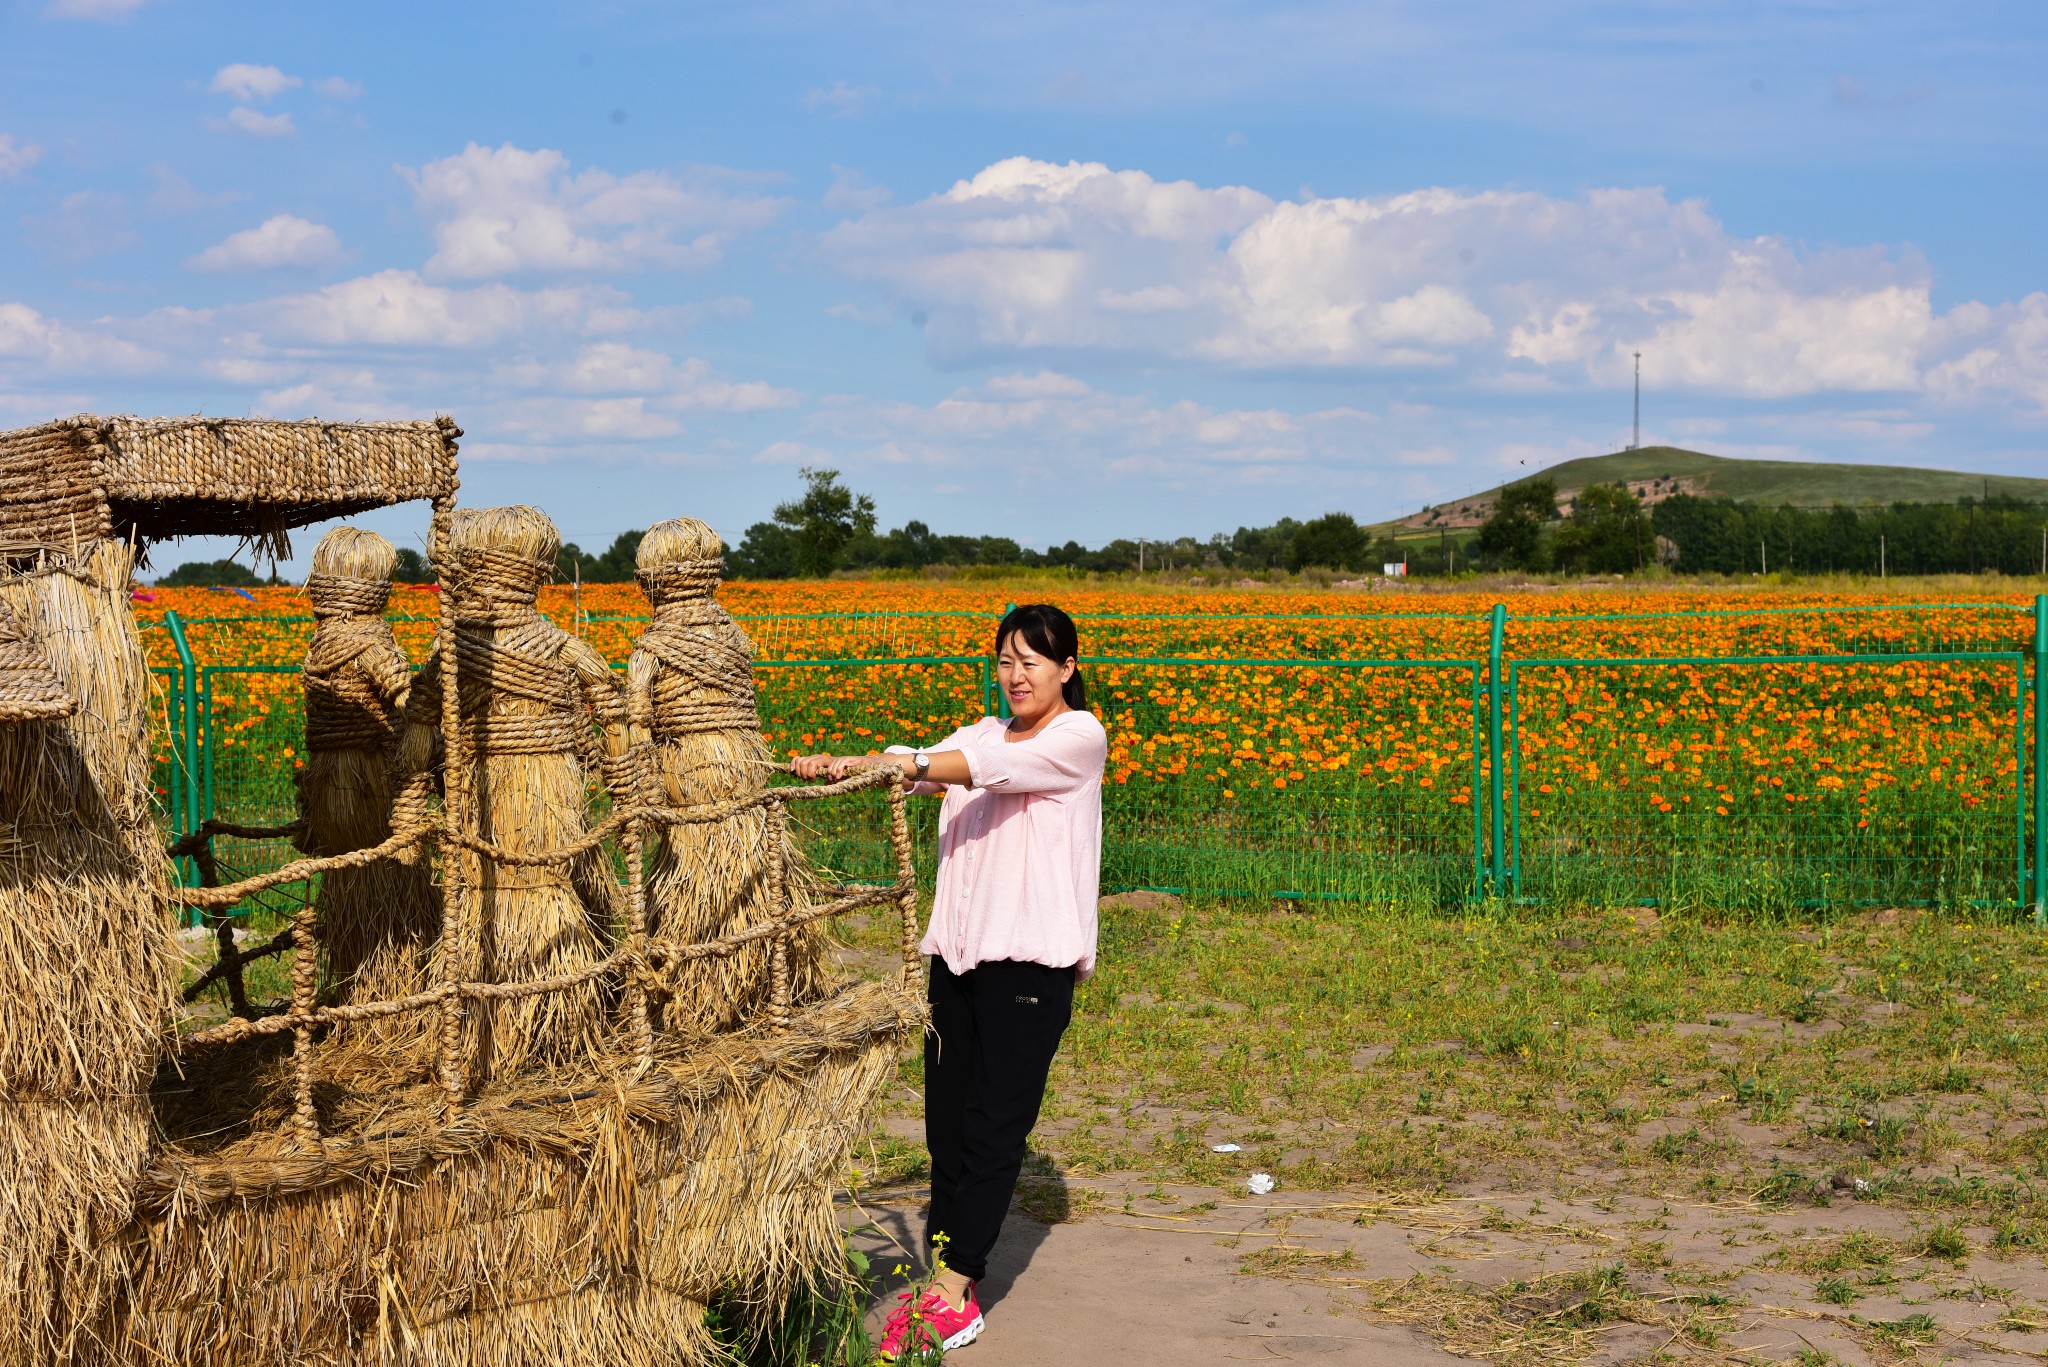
(1496, 785)
(186, 821)
(1002, 698)
(2040, 761)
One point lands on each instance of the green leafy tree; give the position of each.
(1333, 541)
(207, 574)
(1607, 532)
(1513, 535)
(810, 536)
(615, 566)
(413, 568)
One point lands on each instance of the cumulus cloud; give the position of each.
(283, 242)
(616, 368)
(16, 156)
(247, 83)
(338, 88)
(400, 309)
(53, 346)
(507, 211)
(1032, 256)
(242, 119)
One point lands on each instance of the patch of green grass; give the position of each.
(1407, 1050)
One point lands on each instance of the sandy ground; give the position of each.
(1145, 1276)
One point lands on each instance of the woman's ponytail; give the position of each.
(1051, 633)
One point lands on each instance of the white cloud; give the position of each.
(247, 83)
(1499, 286)
(103, 10)
(244, 120)
(505, 211)
(16, 157)
(285, 241)
(53, 346)
(338, 88)
(399, 309)
(840, 100)
(619, 369)
(853, 193)
(1046, 384)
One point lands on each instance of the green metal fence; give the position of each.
(1870, 755)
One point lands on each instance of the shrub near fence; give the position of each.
(1765, 758)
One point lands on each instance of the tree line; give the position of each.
(1606, 530)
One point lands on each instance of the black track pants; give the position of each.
(994, 1032)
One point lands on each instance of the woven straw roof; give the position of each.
(29, 689)
(85, 477)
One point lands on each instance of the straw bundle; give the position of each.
(86, 958)
(528, 694)
(29, 689)
(690, 685)
(582, 1217)
(376, 922)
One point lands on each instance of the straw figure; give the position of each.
(529, 694)
(375, 922)
(87, 963)
(690, 685)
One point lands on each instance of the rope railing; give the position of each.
(645, 963)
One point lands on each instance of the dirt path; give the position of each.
(1145, 1277)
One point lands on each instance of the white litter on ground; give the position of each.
(1226, 1148)
(1260, 1183)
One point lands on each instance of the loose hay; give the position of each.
(86, 959)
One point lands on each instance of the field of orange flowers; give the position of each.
(1758, 746)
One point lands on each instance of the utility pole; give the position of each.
(1636, 428)
(1763, 554)
(1880, 557)
(1443, 547)
(1141, 555)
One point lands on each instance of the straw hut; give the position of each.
(87, 965)
(690, 689)
(550, 1178)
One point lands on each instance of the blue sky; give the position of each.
(1051, 271)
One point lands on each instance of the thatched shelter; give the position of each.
(546, 1138)
(86, 961)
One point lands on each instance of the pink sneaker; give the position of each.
(931, 1324)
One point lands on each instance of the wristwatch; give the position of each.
(924, 765)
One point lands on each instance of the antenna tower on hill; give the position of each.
(1636, 430)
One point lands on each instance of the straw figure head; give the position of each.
(502, 557)
(680, 561)
(352, 571)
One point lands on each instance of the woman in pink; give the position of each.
(1012, 931)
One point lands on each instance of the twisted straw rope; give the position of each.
(345, 710)
(649, 965)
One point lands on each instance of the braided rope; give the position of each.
(648, 964)
(353, 672)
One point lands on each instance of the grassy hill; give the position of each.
(1657, 472)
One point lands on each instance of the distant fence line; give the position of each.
(1845, 755)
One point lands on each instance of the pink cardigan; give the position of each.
(1020, 853)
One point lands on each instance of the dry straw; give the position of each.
(690, 687)
(376, 923)
(529, 695)
(86, 959)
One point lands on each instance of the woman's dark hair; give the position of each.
(1051, 633)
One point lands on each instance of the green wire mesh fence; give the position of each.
(1852, 756)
